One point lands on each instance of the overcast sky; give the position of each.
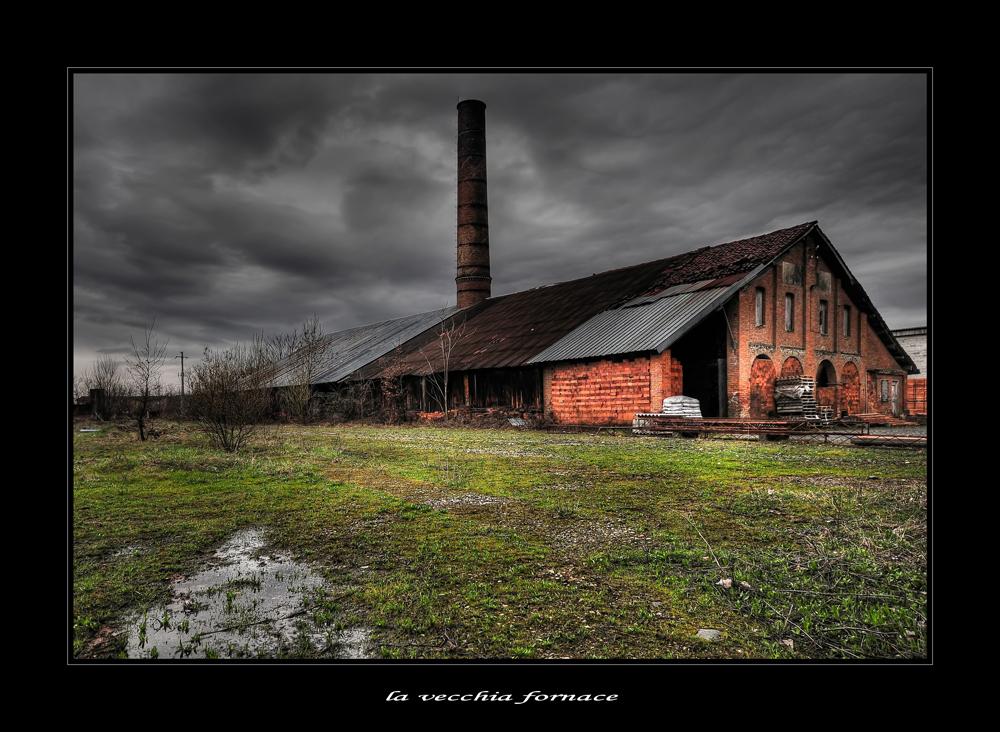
(229, 204)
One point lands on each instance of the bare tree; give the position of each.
(307, 354)
(142, 368)
(106, 385)
(230, 394)
(439, 358)
(79, 388)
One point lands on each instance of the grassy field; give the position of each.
(505, 544)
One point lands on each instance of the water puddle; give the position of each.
(247, 603)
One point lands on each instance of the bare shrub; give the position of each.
(142, 368)
(230, 397)
(439, 359)
(298, 358)
(348, 403)
(392, 404)
(105, 383)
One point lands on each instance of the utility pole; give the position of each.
(181, 357)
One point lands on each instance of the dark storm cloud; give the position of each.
(230, 204)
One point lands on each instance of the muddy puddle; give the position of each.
(247, 603)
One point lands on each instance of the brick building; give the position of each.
(719, 324)
(914, 341)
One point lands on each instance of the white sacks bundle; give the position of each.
(682, 406)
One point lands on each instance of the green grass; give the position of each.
(477, 544)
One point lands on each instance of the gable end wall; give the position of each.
(861, 347)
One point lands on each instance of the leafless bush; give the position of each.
(105, 381)
(392, 402)
(439, 359)
(348, 403)
(142, 368)
(299, 358)
(230, 397)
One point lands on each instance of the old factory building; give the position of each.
(720, 324)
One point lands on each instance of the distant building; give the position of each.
(914, 341)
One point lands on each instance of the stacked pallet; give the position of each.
(796, 396)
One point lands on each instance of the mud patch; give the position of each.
(247, 603)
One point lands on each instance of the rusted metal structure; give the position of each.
(855, 431)
(472, 281)
(658, 422)
(844, 432)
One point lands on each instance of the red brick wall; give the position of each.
(916, 396)
(851, 389)
(761, 395)
(609, 392)
(826, 396)
(860, 349)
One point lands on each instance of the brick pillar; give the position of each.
(547, 372)
(659, 380)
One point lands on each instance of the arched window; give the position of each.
(792, 367)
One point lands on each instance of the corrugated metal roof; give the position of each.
(346, 351)
(638, 327)
(648, 323)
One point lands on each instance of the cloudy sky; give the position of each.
(229, 204)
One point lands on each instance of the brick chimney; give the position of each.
(473, 272)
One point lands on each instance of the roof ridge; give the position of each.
(761, 236)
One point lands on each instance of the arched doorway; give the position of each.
(826, 387)
(762, 388)
(851, 397)
(826, 374)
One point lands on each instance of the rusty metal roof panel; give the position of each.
(346, 351)
(670, 292)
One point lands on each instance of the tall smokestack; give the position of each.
(473, 280)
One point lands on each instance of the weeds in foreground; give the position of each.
(822, 561)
